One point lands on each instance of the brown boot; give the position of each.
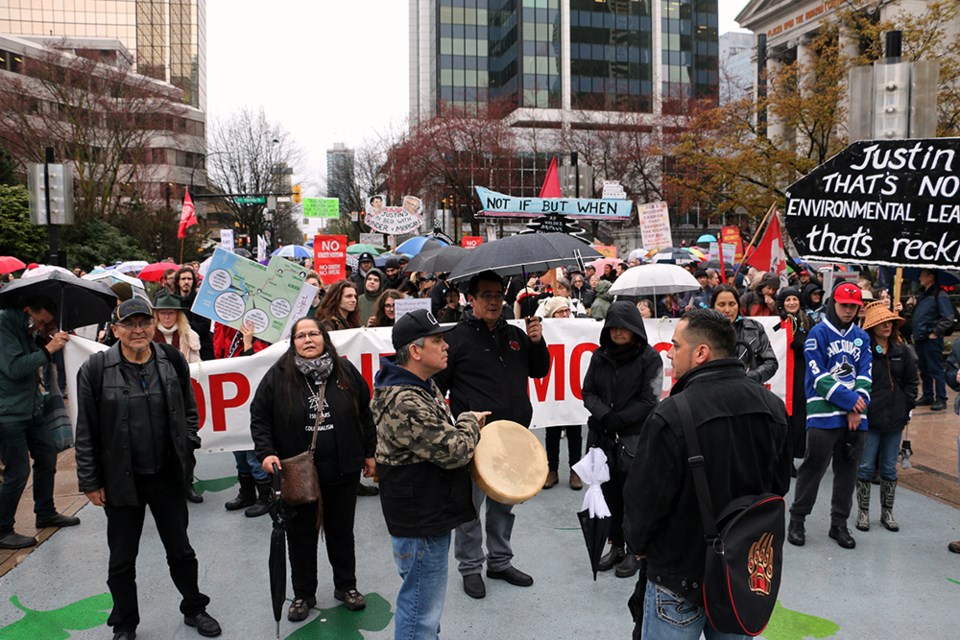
(552, 479)
(575, 482)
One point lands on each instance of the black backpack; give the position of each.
(744, 548)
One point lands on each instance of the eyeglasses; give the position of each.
(491, 297)
(313, 335)
(389, 306)
(137, 326)
(562, 312)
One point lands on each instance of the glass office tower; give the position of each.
(166, 37)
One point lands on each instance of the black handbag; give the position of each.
(744, 548)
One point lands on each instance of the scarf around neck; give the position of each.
(316, 369)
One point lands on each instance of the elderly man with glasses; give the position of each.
(136, 430)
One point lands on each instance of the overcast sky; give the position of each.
(327, 71)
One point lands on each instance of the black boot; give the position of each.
(264, 499)
(611, 558)
(247, 495)
(628, 566)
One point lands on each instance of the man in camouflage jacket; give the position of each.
(422, 456)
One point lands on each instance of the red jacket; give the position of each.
(225, 337)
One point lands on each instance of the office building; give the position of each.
(167, 38)
(737, 66)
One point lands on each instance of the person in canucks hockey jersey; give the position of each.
(838, 361)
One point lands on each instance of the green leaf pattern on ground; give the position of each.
(214, 485)
(793, 625)
(56, 624)
(339, 623)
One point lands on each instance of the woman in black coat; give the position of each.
(791, 309)
(622, 386)
(283, 416)
(753, 345)
(892, 398)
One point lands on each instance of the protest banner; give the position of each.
(321, 208)
(885, 202)
(225, 388)
(330, 258)
(394, 220)
(236, 290)
(606, 250)
(654, 220)
(403, 306)
(375, 239)
(497, 204)
(470, 242)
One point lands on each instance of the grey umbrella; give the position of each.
(438, 260)
(525, 253)
(81, 302)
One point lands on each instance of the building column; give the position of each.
(774, 126)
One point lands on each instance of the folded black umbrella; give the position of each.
(595, 534)
(277, 562)
(525, 253)
(437, 260)
(81, 302)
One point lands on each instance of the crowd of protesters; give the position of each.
(863, 363)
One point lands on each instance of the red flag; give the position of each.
(770, 255)
(551, 184)
(188, 216)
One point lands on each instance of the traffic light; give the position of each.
(297, 199)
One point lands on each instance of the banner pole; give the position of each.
(897, 286)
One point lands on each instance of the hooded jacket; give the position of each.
(621, 389)
(742, 429)
(812, 310)
(601, 301)
(20, 359)
(488, 370)
(366, 301)
(422, 455)
(933, 313)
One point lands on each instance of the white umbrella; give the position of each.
(44, 269)
(654, 279)
(133, 266)
(111, 278)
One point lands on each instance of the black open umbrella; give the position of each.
(278, 552)
(81, 302)
(437, 260)
(525, 253)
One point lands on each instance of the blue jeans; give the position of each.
(248, 465)
(930, 363)
(422, 563)
(20, 441)
(667, 616)
(887, 443)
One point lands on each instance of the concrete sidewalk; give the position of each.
(59, 590)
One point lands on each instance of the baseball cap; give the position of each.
(848, 293)
(135, 306)
(415, 325)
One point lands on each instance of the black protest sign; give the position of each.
(887, 202)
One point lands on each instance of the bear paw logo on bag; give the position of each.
(760, 565)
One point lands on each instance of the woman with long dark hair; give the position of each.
(385, 311)
(753, 345)
(789, 301)
(338, 309)
(310, 378)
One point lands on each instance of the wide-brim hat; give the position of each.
(168, 302)
(878, 313)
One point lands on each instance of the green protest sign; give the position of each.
(321, 207)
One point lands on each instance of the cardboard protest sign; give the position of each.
(654, 220)
(321, 207)
(498, 204)
(406, 218)
(237, 290)
(330, 258)
(731, 235)
(886, 202)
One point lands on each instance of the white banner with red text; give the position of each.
(225, 388)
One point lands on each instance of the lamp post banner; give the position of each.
(885, 202)
(224, 388)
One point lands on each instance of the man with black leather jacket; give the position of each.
(742, 428)
(137, 427)
(488, 366)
